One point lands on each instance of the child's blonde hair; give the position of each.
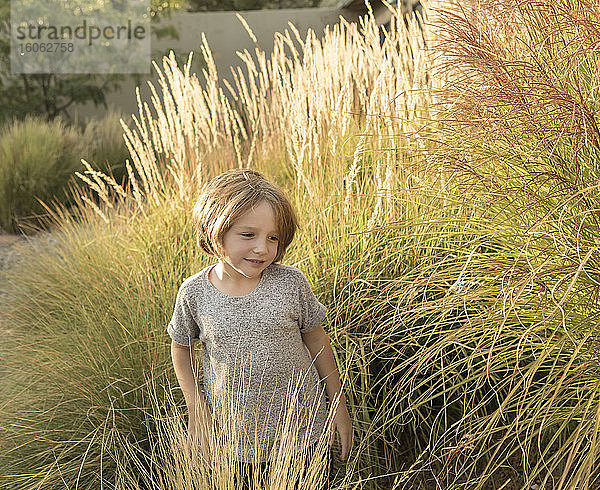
(230, 195)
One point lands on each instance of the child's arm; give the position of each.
(319, 347)
(199, 416)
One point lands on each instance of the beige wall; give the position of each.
(225, 35)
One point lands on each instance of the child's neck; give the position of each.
(230, 281)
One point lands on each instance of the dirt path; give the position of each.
(7, 240)
(7, 246)
(7, 243)
(10, 245)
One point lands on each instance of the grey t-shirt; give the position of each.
(258, 374)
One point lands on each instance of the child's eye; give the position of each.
(248, 235)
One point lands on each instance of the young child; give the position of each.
(252, 313)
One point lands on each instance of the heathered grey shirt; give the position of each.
(258, 374)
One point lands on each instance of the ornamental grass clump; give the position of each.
(172, 462)
(87, 313)
(86, 388)
(501, 366)
(448, 221)
(37, 160)
(106, 148)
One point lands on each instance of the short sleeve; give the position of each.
(183, 328)
(312, 313)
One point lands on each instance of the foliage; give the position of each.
(521, 141)
(53, 94)
(448, 221)
(524, 99)
(213, 5)
(117, 324)
(39, 158)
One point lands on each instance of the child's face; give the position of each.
(250, 245)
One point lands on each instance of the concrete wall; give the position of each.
(225, 35)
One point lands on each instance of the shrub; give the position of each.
(106, 150)
(37, 159)
(461, 278)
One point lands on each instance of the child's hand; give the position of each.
(197, 443)
(343, 425)
(199, 439)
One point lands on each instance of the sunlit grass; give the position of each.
(442, 223)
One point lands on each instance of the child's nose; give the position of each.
(260, 245)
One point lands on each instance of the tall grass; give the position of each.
(100, 297)
(519, 141)
(105, 149)
(37, 159)
(441, 223)
(79, 407)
